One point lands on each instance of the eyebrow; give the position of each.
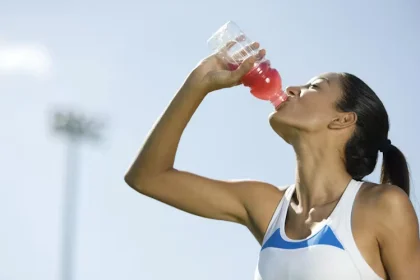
(322, 78)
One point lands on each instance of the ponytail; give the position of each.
(395, 169)
(370, 135)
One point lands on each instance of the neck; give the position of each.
(321, 176)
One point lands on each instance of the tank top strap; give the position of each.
(289, 193)
(345, 204)
(285, 205)
(279, 212)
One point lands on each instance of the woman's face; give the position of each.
(310, 107)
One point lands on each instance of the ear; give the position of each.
(343, 120)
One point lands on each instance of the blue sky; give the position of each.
(123, 61)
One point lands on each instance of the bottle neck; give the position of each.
(278, 98)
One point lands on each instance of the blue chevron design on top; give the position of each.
(324, 237)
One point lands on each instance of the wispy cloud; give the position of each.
(25, 59)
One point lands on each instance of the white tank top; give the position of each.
(330, 252)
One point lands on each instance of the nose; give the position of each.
(293, 91)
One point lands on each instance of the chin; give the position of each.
(281, 126)
(278, 118)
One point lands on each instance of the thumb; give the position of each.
(244, 68)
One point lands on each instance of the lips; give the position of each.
(282, 103)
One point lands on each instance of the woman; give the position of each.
(329, 224)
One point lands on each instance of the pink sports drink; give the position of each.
(234, 47)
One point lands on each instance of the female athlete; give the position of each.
(329, 224)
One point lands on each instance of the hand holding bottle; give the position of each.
(212, 73)
(264, 81)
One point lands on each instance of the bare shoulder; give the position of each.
(383, 200)
(387, 206)
(260, 200)
(393, 223)
(258, 189)
(260, 197)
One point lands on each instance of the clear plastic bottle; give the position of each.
(263, 80)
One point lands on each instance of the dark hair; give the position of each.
(372, 126)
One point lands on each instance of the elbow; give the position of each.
(141, 180)
(129, 180)
(134, 181)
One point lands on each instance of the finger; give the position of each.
(231, 43)
(259, 55)
(244, 68)
(247, 65)
(252, 47)
(246, 51)
(228, 46)
(222, 54)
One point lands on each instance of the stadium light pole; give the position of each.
(75, 129)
